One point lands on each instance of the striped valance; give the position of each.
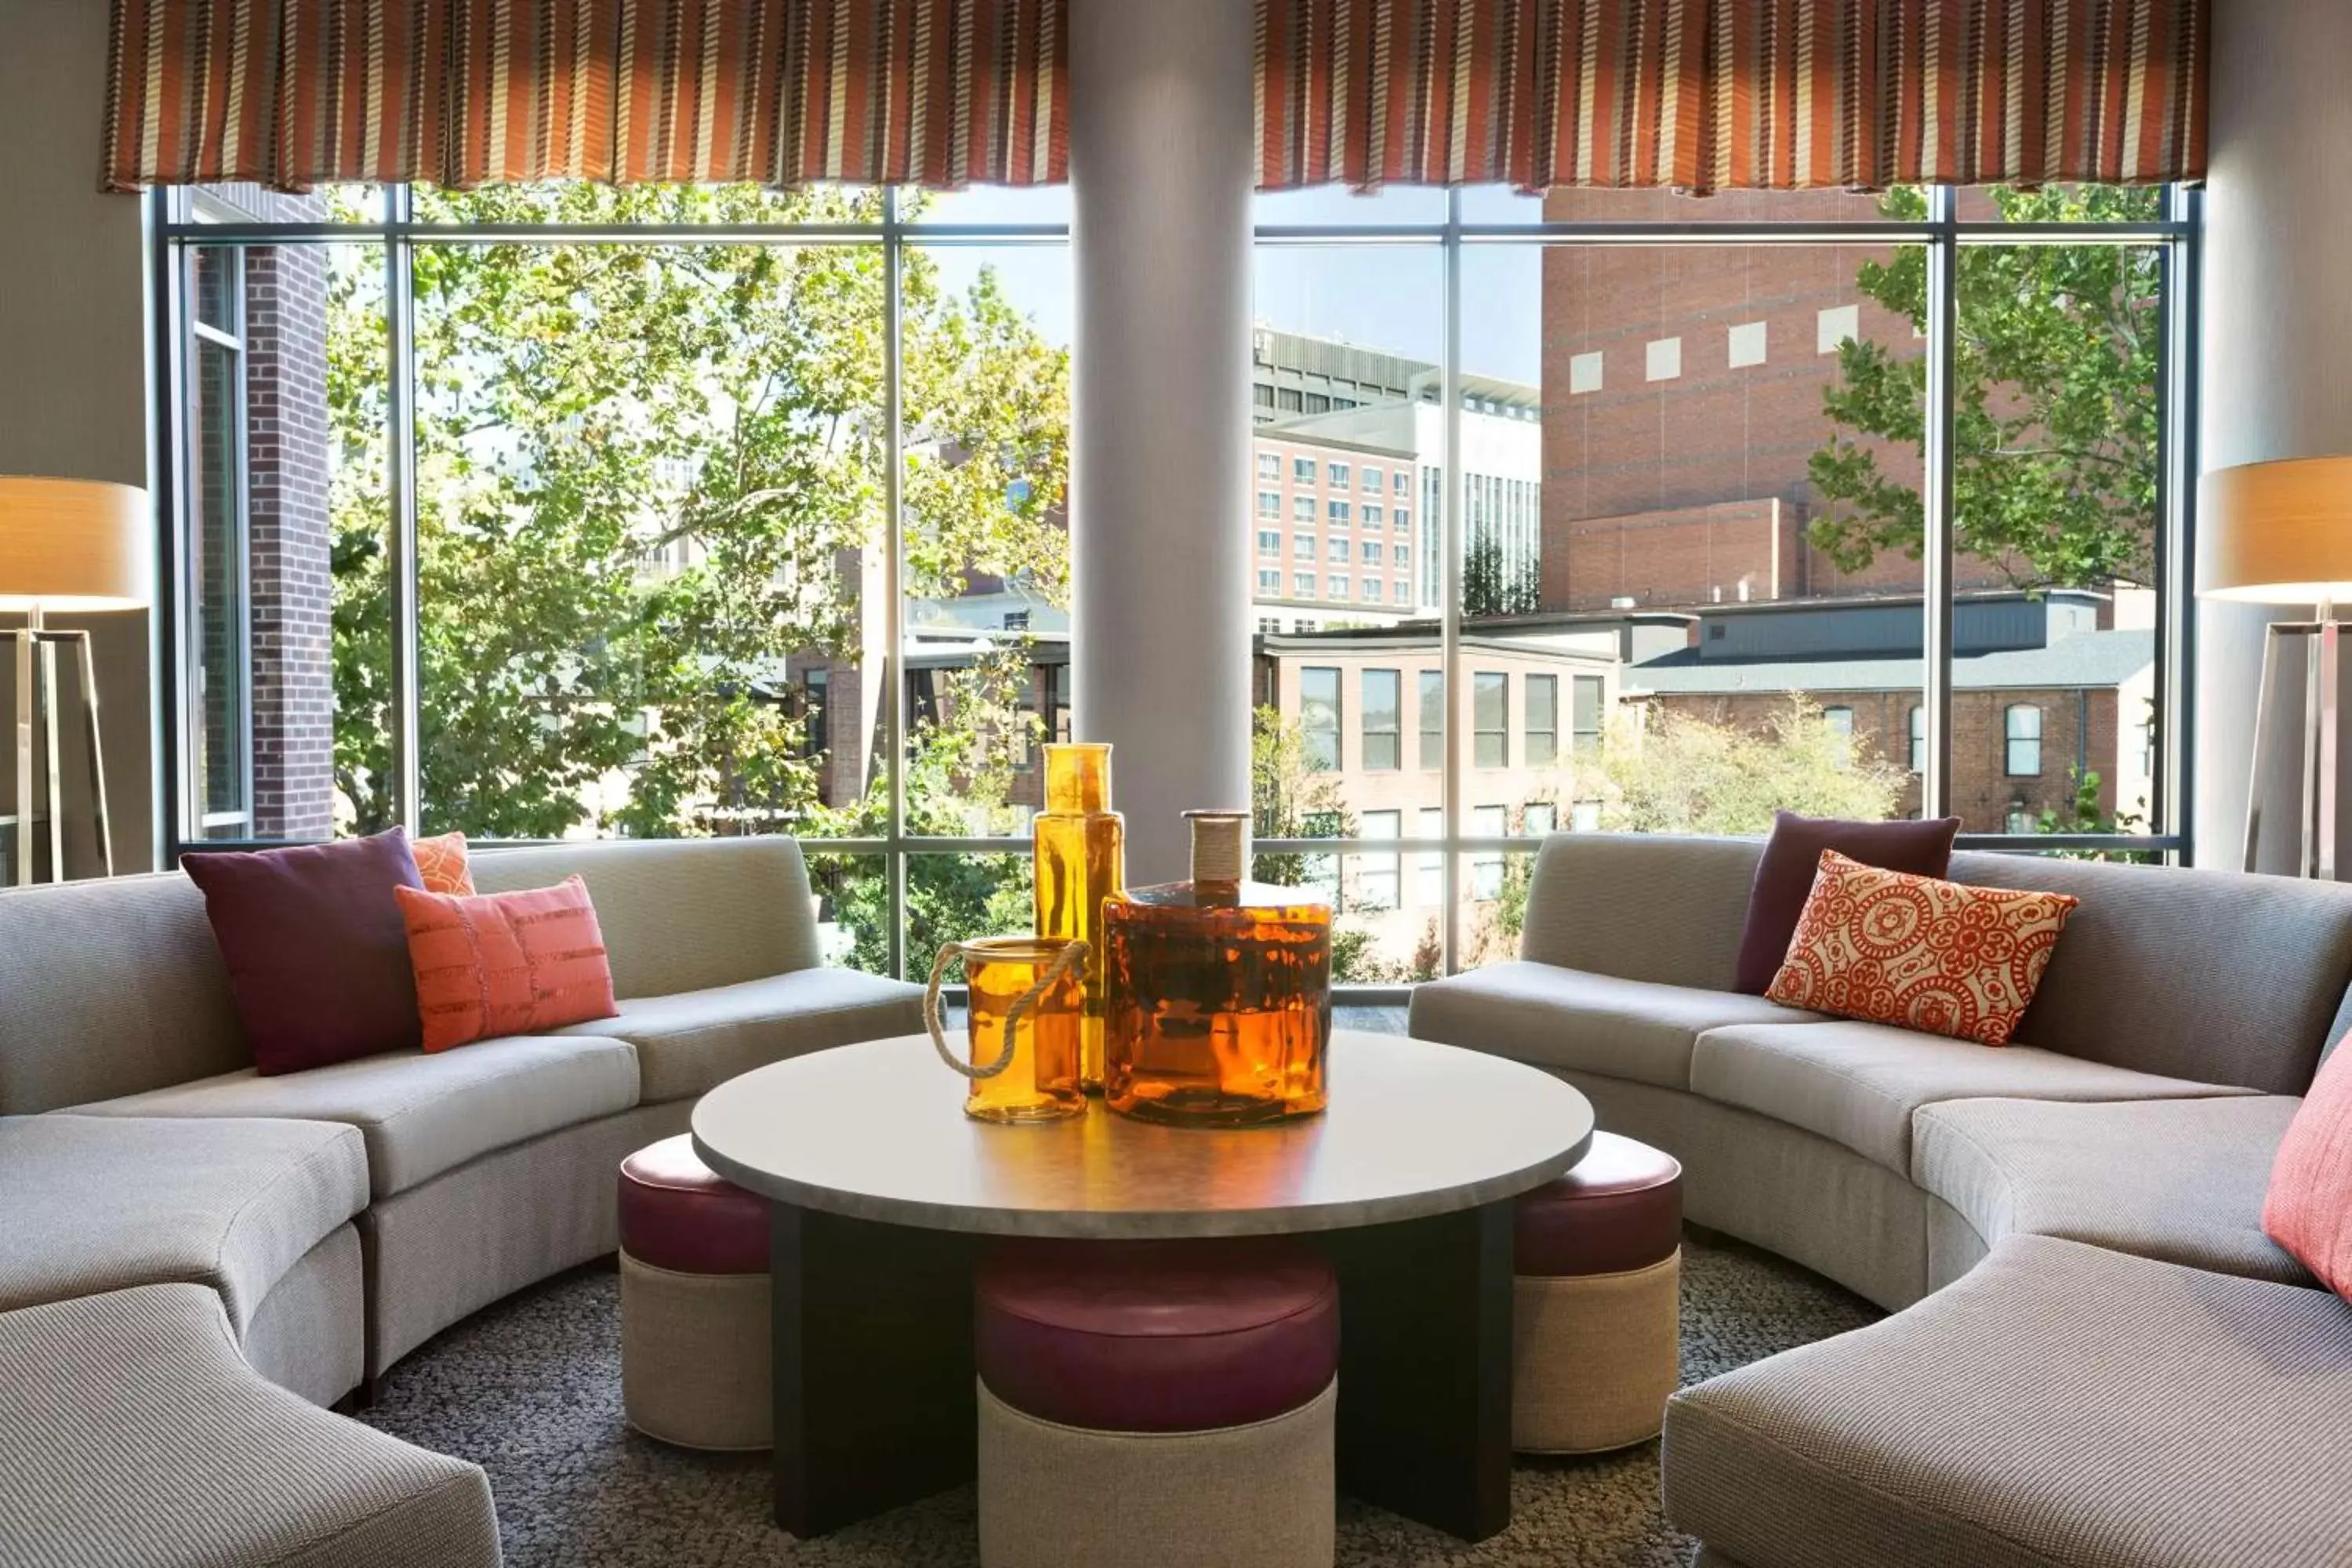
(1730, 94)
(298, 93)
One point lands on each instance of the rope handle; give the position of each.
(1068, 959)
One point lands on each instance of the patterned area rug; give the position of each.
(530, 1390)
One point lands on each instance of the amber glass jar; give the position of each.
(1023, 1001)
(1080, 847)
(1218, 991)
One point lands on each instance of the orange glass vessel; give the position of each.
(1023, 997)
(1080, 847)
(1218, 991)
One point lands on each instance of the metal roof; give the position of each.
(2090, 660)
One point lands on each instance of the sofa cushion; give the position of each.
(678, 914)
(1857, 1084)
(690, 1043)
(2176, 1180)
(1573, 1019)
(420, 1114)
(1791, 857)
(505, 964)
(132, 1432)
(2060, 1405)
(1647, 906)
(317, 955)
(90, 1203)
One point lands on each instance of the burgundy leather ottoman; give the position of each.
(1144, 1404)
(1597, 1301)
(696, 1348)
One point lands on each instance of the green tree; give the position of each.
(2083, 813)
(1290, 798)
(2055, 423)
(649, 474)
(1685, 775)
(1491, 587)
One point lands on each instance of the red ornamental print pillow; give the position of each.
(1942, 957)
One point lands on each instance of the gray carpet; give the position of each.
(531, 1389)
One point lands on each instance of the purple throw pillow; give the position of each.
(1784, 876)
(316, 947)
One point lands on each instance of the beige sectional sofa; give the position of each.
(2101, 1359)
(163, 1205)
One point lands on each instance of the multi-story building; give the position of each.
(1334, 523)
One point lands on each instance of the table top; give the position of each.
(878, 1132)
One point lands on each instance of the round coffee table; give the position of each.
(884, 1192)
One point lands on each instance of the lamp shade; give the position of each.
(74, 544)
(2276, 533)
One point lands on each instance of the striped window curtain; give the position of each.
(1709, 94)
(297, 93)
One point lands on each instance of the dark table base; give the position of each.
(874, 1373)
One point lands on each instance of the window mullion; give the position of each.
(1449, 580)
(1937, 521)
(400, 321)
(894, 670)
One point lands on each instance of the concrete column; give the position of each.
(1160, 142)
(2277, 324)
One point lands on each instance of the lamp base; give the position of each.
(2296, 811)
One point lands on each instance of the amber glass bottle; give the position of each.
(1218, 1006)
(1081, 859)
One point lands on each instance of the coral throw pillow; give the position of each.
(318, 958)
(1784, 875)
(441, 862)
(2309, 1209)
(1944, 957)
(506, 964)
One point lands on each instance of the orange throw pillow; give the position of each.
(1945, 957)
(505, 964)
(441, 862)
(2309, 1208)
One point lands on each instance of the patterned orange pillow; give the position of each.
(505, 964)
(1945, 957)
(2308, 1209)
(441, 861)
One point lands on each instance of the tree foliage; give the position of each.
(2056, 427)
(1491, 587)
(1680, 774)
(648, 477)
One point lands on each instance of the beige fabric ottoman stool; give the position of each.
(697, 1351)
(1597, 1301)
(1157, 1405)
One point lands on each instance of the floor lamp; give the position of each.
(69, 545)
(2280, 533)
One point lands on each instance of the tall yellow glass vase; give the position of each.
(1081, 854)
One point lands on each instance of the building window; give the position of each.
(1269, 542)
(1399, 483)
(1371, 514)
(1429, 866)
(1383, 722)
(1286, 398)
(1838, 324)
(1486, 865)
(1335, 586)
(1337, 475)
(1302, 508)
(1400, 555)
(1303, 583)
(1433, 720)
(1336, 550)
(1403, 594)
(1319, 716)
(1302, 469)
(1589, 693)
(2018, 821)
(815, 686)
(2022, 728)
(1663, 358)
(1269, 581)
(1747, 345)
(1490, 720)
(1840, 720)
(1269, 503)
(1919, 738)
(1269, 465)
(1319, 403)
(219, 667)
(1371, 553)
(1403, 520)
(1339, 513)
(1541, 819)
(1370, 482)
(1302, 545)
(1371, 590)
(1377, 872)
(1541, 693)
(1583, 373)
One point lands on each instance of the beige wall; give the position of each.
(73, 353)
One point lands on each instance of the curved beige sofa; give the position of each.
(247, 1239)
(2096, 1357)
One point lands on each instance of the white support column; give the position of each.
(2277, 325)
(1160, 142)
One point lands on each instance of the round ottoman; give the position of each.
(696, 1344)
(1147, 1405)
(1597, 1301)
